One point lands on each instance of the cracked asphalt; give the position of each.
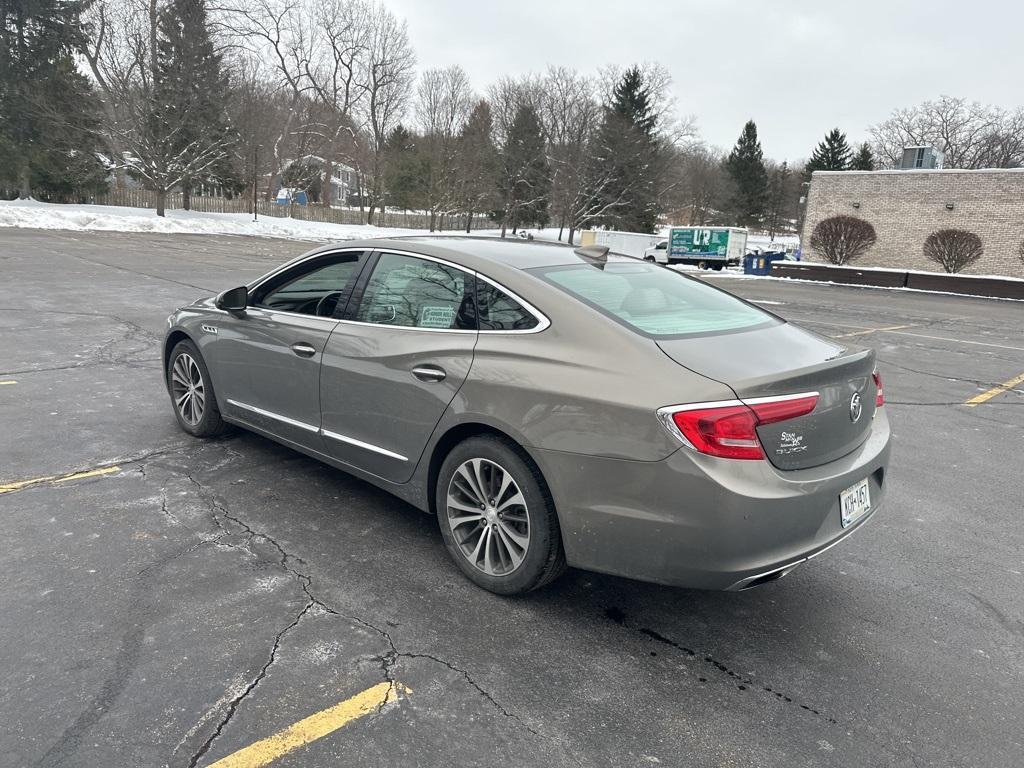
(209, 594)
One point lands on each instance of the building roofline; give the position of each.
(899, 171)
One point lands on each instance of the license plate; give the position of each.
(854, 503)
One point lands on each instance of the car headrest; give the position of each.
(644, 301)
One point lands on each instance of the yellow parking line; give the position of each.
(17, 486)
(984, 396)
(9, 381)
(311, 728)
(872, 330)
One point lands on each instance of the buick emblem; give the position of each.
(856, 409)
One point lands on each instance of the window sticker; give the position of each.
(436, 317)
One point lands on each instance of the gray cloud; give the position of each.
(798, 67)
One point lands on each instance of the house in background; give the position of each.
(306, 174)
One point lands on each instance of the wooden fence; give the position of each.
(143, 198)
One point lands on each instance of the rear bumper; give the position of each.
(695, 521)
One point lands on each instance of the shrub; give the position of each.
(953, 249)
(841, 239)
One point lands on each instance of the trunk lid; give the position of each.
(785, 360)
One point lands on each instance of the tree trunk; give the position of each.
(561, 227)
(161, 201)
(572, 234)
(371, 211)
(504, 227)
(469, 222)
(186, 196)
(24, 180)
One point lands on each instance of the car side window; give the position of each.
(318, 288)
(500, 312)
(416, 293)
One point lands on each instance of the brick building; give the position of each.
(908, 205)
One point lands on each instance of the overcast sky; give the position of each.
(797, 67)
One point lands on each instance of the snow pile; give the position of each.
(108, 218)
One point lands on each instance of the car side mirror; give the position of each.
(233, 300)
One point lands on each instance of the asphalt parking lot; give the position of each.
(169, 602)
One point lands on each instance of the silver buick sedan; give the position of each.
(550, 406)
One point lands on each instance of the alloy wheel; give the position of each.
(188, 389)
(488, 517)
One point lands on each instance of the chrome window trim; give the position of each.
(542, 320)
(301, 260)
(543, 323)
(275, 416)
(360, 444)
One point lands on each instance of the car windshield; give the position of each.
(655, 301)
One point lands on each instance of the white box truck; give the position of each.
(705, 247)
(626, 243)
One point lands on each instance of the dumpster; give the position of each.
(756, 264)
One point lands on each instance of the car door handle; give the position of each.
(303, 349)
(429, 373)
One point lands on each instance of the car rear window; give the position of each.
(655, 301)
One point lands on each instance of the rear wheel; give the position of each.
(702, 264)
(716, 267)
(188, 381)
(497, 518)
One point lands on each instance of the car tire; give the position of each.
(716, 267)
(501, 564)
(650, 258)
(191, 390)
(702, 265)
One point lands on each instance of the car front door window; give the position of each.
(316, 289)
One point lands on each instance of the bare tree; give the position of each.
(569, 114)
(970, 134)
(388, 72)
(444, 101)
(953, 249)
(841, 239)
(119, 47)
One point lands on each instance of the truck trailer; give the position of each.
(626, 243)
(705, 247)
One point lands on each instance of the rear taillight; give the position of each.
(879, 396)
(729, 430)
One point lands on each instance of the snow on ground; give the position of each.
(109, 218)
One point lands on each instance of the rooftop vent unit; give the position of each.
(921, 157)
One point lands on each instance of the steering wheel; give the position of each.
(325, 302)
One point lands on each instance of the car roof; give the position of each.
(475, 252)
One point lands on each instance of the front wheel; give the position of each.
(497, 517)
(650, 258)
(188, 381)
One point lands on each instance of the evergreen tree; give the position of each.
(625, 157)
(525, 180)
(403, 170)
(832, 154)
(478, 163)
(864, 160)
(48, 124)
(745, 166)
(192, 83)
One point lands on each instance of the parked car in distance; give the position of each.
(549, 406)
